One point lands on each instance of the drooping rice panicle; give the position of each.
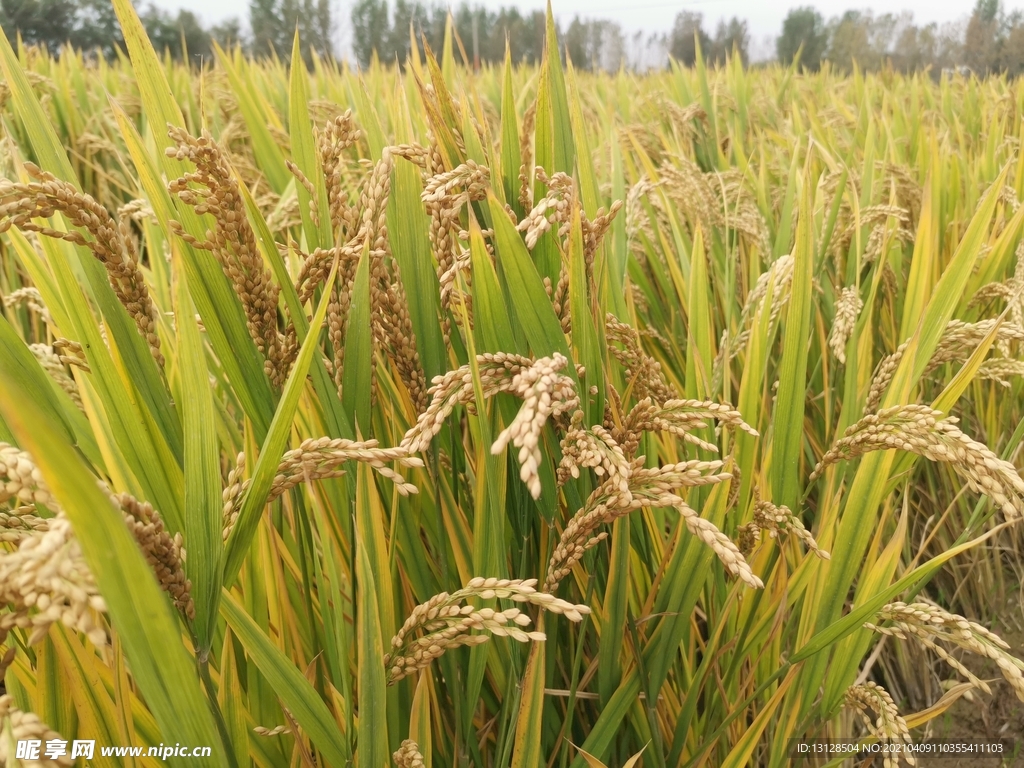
(446, 621)
(109, 241)
(888, 726)
(848, 307)
(926, 432)
(930, 625)
(212, 189)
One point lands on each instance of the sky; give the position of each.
(764, 17)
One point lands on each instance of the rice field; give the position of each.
(512, 417)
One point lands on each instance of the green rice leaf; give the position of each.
(139, 610)
(373, 732)
(357, 382)
(305, 155)
(203, 505)
(296, 693)
(531, 305)
(787, 445)
(273, 447)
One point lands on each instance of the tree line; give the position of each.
(990, 40)
(92, 27)
(385, 30)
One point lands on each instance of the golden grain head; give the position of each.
(713, 273)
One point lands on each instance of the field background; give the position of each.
(664, 299)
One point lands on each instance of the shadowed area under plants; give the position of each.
(516, 416)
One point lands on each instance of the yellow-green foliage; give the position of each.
(553, 357)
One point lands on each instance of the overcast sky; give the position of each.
(763, 16)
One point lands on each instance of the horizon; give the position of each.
(764, 20)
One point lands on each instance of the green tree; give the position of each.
(178, 34)
(378, 27)
(730, 36)
(228, 33)
(1012, 51)
(472, 23)
(917, 49)
(274, 23)
(371, 29)
(492, 45)
(49, 23)
(594, 44)
(525, 35)
(267, 26)
(803, 30)
(850, 41)
(92, 26)
(687, 31)
(319, 26)
(97, 28)
(982, 37)
(396, 44)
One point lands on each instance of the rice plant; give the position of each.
(432, 416)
